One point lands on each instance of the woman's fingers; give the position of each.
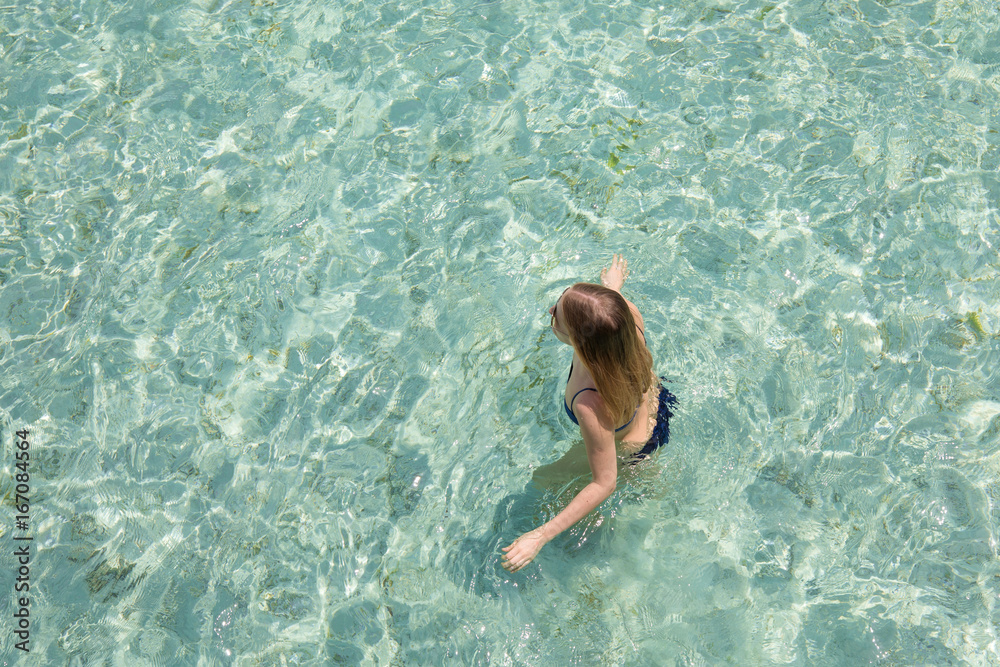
(512, 562)
(514, 567)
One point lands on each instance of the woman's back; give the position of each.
(634, 433)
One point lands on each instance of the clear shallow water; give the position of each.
(274, 283)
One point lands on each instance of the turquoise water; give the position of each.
(274, 289)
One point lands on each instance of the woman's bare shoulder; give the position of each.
(591, 411)
(636, 315)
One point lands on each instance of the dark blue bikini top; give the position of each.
(569, 411)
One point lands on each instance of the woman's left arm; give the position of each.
(599, 440)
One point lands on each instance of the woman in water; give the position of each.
(611, 393)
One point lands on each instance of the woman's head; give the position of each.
(598, 323)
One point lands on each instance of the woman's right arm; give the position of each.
(614, 277)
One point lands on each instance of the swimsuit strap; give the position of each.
(578, 393)
(573, 418)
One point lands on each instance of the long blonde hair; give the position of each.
(603, 332)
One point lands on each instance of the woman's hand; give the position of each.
(523, 550)
(614, 276)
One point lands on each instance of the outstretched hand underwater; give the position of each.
(523, 550)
